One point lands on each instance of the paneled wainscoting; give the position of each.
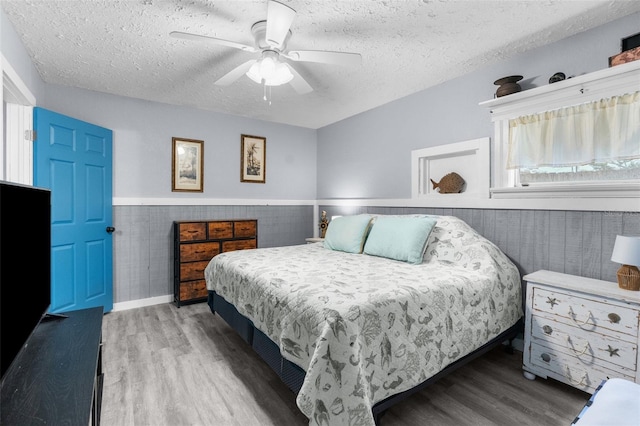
(572, 242)
(169, 366)
(143, 240)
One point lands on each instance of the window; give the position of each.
(620, 170)
(576, 138)
(593, 141)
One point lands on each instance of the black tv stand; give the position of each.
(56, 379)
(52, 317)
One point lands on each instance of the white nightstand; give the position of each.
(314, 240)
(579, 330)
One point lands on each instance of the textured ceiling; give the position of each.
(124, 47)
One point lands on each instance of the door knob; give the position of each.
(110, 229)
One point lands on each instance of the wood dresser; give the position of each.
(579, 330)
(196, 243)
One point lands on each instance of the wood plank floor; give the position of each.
(174, 366)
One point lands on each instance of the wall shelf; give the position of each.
(470, 159)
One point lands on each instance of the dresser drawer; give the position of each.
(220, 230)
(192, 231)
(198, 251)
(193, 290)
(589, 347)
(587, 314)
(244, 229)
(572, 370)
(238, 245)
(192, 270)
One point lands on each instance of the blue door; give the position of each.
(73, 159)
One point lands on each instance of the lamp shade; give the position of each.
(626, 250)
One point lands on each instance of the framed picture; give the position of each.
(253, 159)
(187, 169)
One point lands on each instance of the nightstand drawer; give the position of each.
(587, 314)
(572, 371)
(590, 347)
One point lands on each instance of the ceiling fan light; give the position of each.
(273, 73)
(254, 72)
(267, 68)
(282, 75)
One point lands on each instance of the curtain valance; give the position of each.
(600, 131)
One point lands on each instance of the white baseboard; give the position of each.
(140, 303)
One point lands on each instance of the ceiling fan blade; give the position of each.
(325, 57)
(235, 74)
(213, 40)
(279, 19)
(298, 83)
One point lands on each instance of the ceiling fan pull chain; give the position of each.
(267, 93)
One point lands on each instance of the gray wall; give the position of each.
(368, 155)
(142, 133)
(143, 241)
(577, 243)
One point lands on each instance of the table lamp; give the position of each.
(627, 252)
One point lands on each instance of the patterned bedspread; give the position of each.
(365, 328)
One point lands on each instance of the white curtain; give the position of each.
(600, 131)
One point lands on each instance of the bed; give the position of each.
(379, 310)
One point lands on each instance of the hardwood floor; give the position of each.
(172, 366)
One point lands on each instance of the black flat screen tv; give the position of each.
(25, 265)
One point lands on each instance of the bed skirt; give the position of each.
(293, 376)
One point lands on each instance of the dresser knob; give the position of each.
(614, 318)
(547, 329)
(545, 357)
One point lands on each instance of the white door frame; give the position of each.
(16, 155)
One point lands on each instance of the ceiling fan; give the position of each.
(271, 37)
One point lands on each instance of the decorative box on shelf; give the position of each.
(579, 330)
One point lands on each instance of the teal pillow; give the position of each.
(347, 233)
(400, 238)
